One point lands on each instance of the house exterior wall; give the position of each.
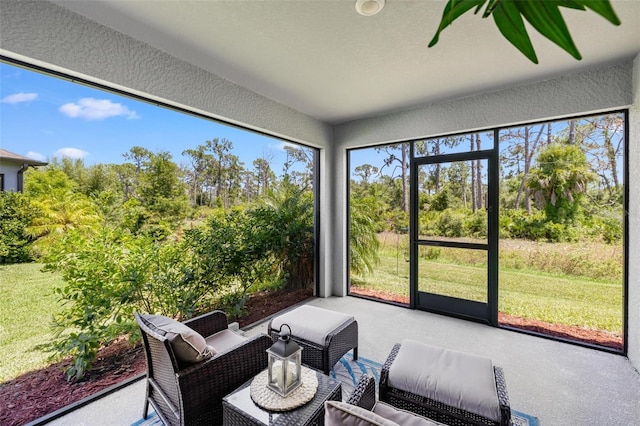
(10, 172)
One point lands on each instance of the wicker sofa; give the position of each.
(190, 393)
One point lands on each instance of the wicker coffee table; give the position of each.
(239, 409)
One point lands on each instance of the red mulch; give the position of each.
(586, 335)
(44, 391)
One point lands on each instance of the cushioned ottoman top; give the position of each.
(311, 323)
(454, 378)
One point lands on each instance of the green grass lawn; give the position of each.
(26, 308)
(524, 291)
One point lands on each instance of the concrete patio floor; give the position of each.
(559, 383)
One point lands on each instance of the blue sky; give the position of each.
(42, 117)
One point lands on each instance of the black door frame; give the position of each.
(477, 311)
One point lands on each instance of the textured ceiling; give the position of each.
(327, 61)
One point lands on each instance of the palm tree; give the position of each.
(559, 180)
(363, 239)
(61, 211)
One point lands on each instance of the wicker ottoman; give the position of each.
(450, 387)
(324, 335)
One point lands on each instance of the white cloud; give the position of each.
(17, 98)
(281, 145)
(96, 109)
(36, 156)
(72, 153)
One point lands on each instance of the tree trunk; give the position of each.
(473, 180)
(478, 175)
(405, 177)
(572, 132)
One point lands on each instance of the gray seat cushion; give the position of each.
(454, 378)
(401, 417)
(224, 340)
(338, 413)
(311, 323)
(343, 414)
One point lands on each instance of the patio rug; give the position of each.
(348, 372)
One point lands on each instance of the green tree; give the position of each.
(303, 156)
(559, 180)
(402, 163)
(43, 182)
(156, 198)
(161, 190)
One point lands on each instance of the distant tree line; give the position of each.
(559, 181)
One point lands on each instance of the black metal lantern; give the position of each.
(285, 361)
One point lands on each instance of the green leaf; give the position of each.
(452, 11)
(545, 17)
(604, 9)
(572, 4)
(510, 23)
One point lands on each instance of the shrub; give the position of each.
(430, 253)
(16, 213)
(451, 224)
(107, 277)
(476, 223)
(519, 224)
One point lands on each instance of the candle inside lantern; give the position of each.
(290, 373)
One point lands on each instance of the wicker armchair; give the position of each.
(362, 408)
(191, 393)
(364, 394)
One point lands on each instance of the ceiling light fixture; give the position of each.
(369, 7)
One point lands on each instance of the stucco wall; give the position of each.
(10, 172)
(593, 90)
(634, 221)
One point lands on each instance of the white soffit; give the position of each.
(329, 62)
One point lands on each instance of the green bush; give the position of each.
(608, 227)
(110, 275)
(428, 222)
(440, 201)
(16, 213)
(430, 253)
(560, 232)
(519, 224)
(451, 224)
(476, 223)
(102, 277)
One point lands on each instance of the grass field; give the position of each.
(532, 277)
(26, 308)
